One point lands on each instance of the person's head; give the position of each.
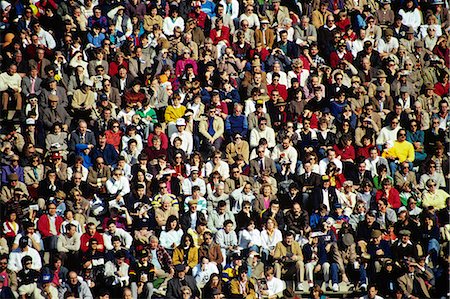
(269, 272)
(228, 225)
(382, 204)
(289, 238)
(73, 278)
(271, 224)
(431, 185)
(401, 135)
(111, 226)
(372, 291)
(186, 241)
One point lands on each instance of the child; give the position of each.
(125, 115)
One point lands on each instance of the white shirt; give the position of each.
(223, 169)
(124, 236)
(256, 134)
(324, 163)
(275, 286)
(15, 259)
(122, 186)
(187, 144)
(325, 198)
(290, 153)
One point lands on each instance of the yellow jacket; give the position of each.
(178, 256)
(281, 250)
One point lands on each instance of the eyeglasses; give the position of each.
(236, 171)
(162, 187)
(115, 126)
(340, 78)
(401, 134)
(394, 122)
(435, 122)
(100, 163)
(432, 166)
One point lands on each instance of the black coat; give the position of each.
(316, 199)
(174, 287)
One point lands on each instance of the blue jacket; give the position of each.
(321, 252)
(109, 153)
(236, 124)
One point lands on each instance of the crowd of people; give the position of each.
(224, 149)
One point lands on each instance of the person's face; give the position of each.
(247, 188)
(372, 292)
(401, 136)
(370, 220)
(112, 228)
(73, 278)
(381, 206)
(296, 209)
(163, 188)
(275, 208)
(52, 210)
(127, 294)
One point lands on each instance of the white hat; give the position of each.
(194, 168)
(181, 122)
(88, 82)
(30, 121)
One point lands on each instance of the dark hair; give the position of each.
(183, 240)
(228, 221)
(171, 219)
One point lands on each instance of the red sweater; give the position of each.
(85, 238)
(346, 153)
(114, 138)
(44, 225)
(224, 36)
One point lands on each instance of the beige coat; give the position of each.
(218, 126)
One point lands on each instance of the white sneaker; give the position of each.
(335, 287)
(363, 287)
(310, 284)
(300, 287)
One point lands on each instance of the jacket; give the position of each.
(84, 292)
(218, 127)
(174, 287)
(213, 253)
(178, 257)
(406, 283)
(281, 250)
(44, 225)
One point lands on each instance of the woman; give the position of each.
(417, 137)
(382, 174)
(345, 152)
(250, 238)
(114, 134)
(214, 285)
(430, 237)
(263, 199)
(345, 128)
(186, 253)
(412, 17)
(33, 174)
(174, 112)
(433, 135)
(56, 136)
(93, 262)
(316, 292)
(180, 166)
(11, 227)
(337, 179)
(347, 198)
(389, 192)
(69, 218)
(141, 178)
(270, 236)
(433, 196)
(441, 160)
(170, 238)
(366, 193)
(214, 180)
(197, 161)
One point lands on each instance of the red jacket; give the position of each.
(85, 238)
(114, 138)
(280, 88)
(44, 225)
(393, 198)
(225, 36)
(334, 58)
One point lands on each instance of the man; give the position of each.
(118, 188)
(385, 215)
(39, 62)
(404, 248)
(180, 279)
(405, 175)
(297, 221)
(412, 283)
(15, 257)
(13, 186)
(227, 239)
(122, 81)
(218, 217)
(325, 194)
(262, 163)
(253, 118)
(331, 157)
(242, 285)
(379, 250)
(160, 259)
(76, 285)
(31, 84)
(237, 148)
(212, 129)
(82, 135)
(33, 237)
(320, 15)
(138, 64)
(10, 87)
(91, 233)
(275, 212)
(236, 181)
(285, 153)
(374, 161)
(344, 260)
(216, 164)
(401, 151)
(49, 226)
(289, 259)
(305, 33)
(84, 100)
(190, 219)
(277, 14)
(105, 150)
(289, 48)
(262, 131)
(193, 180)
(142, 275)
(362, 174)
(55, 113)
(125, 238)
(326, 34)
(265, 35)
(52, 87)
(68, 245)
(372, 292)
